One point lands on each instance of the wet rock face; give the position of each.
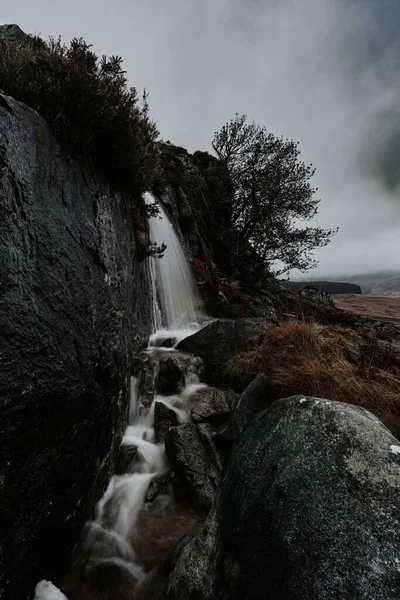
(308, 508)
(73, 311)
(217, 343)
(171, 379)
(164, 418)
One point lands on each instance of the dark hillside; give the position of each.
(327, 287)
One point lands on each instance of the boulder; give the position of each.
(217, 343)
(174, 369)
(150, 369)
(254, 400)
(210, 405)
(308, 509)
(172, 558)
(165, 342)
(164, 418)
(195, 458)
(125, 459)
(158, 485)
(171, 379)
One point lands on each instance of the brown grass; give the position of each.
(373, 306)
(327, 362)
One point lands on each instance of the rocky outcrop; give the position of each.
(211, 405)
(73, 311)
(254, 400)
(164, 418)
(308, 509)
(217, 343)
(188, 200)
(12, 33)
(196, 460)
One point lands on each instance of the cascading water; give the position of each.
(156, 316)
(108, 557)
(180, 300)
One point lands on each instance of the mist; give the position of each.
(322, 72)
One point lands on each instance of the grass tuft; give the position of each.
(305, 358)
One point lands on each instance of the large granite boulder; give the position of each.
(308, 509)
(73, 312)
(217, 343)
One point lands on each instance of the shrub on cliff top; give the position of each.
(87, 102)
(327, 362)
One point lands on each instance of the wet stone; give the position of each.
(148, 381)
(210, 405)
(126, 457)
(165, 342)
(164, 418)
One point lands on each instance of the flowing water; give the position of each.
(120, 551)
(117, 557)
(175, 285)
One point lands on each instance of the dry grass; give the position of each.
(373, 306)
(328, 362)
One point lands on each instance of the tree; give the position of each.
(270, 195)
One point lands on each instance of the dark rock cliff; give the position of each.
(194, 188)
(73, 311)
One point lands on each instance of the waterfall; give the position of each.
(109, 552)
(175, 283)
(156, 316)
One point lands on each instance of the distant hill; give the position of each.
(379, 283)
(388, 287)
(328, 287)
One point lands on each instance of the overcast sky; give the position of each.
(323, 72)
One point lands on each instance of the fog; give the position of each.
(323, 72)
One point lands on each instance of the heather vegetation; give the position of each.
(88, 104)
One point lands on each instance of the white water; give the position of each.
(112, 537)
(175, 283)
(156, 316)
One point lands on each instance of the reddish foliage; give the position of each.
(216, 287)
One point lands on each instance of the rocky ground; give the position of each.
(300, 494)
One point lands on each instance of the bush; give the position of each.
(87, 103)
(327, 362)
